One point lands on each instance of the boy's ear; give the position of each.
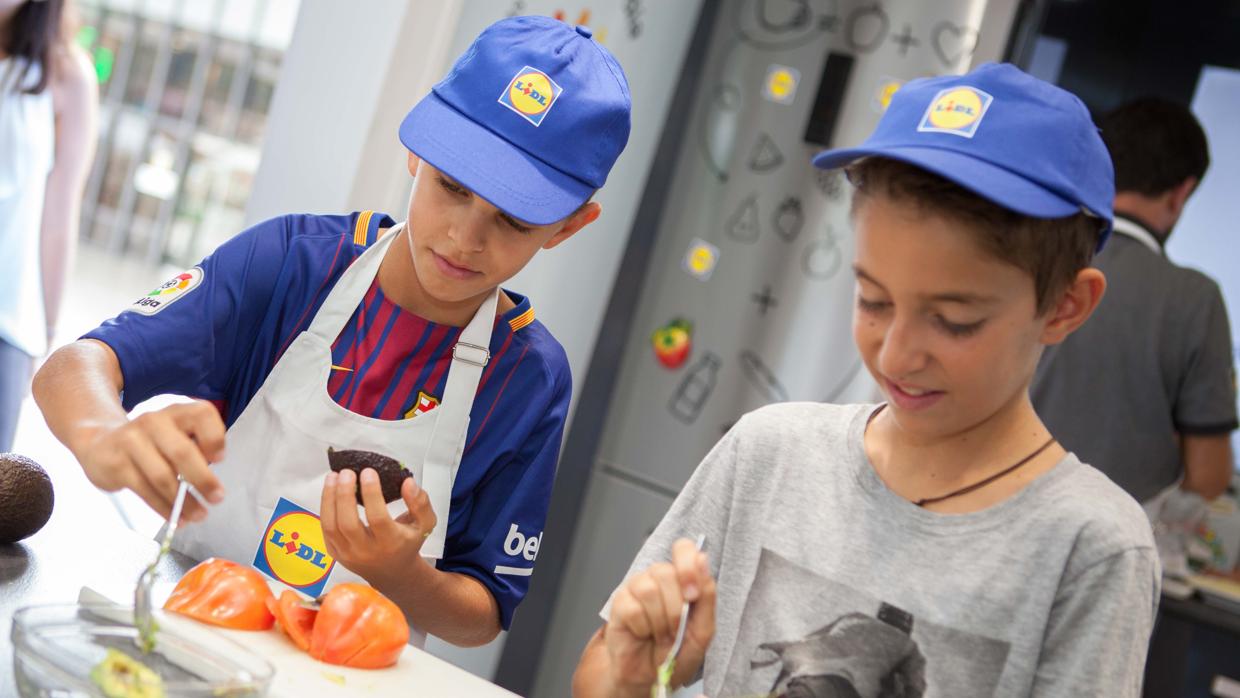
(1075, 305)
(583, 217)
(412, 162)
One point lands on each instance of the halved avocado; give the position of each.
(122, 676)
(391, 473)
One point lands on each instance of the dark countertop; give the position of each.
(53, 565)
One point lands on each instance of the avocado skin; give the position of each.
(391, 473)
(26, 497)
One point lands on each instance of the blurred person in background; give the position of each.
(1145, 392)
(48, 109)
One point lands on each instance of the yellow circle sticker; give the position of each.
(531, 93)
(701, 260)
(294, 550)
(885, 93)
(956, 109)
(781, 83)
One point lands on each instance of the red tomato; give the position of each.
(295, 620)
(223, 593)
(358, 627)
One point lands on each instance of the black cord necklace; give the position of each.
(987, 481)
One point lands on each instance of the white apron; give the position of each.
(276, 453)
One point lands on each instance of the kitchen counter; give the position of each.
(53, 565)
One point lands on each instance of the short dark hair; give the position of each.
(1050, 250)
(1155, 145)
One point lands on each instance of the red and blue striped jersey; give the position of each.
(246, 302)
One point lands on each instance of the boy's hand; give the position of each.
(645, 612)
(145, 454)
(373, 550)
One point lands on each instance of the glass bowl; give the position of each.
(56, 647)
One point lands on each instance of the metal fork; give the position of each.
(142, 619)
(663, 680)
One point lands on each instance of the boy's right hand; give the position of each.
(145, 454)
(645, 612)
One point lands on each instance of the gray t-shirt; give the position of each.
(1154, 360)
(829, 584)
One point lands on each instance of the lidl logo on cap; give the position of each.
(957, 110)
(171, 290)
(531, 93)
(292, 549)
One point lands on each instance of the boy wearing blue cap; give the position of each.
(940, 543)
(314, 335)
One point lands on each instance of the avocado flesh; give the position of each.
(26, 497)
(122, 676)
(391, 473)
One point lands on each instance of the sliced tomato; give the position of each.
(358, 627)
(294, 619)
(224, 593)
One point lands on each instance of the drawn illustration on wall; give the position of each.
(765, 300)
(776, 25)
(672, 343)
(838, 389)
(719, 131)
(905, 40)
(762, 378)
(633, 11)
(866, 28)
(822, 258)
(780, 85)
(789, 218)
(700, 259)
(830, 183)
(952, 42)
(695, 389)
(743, 225)
(765, 155)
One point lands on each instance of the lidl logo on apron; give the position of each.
(292, 550)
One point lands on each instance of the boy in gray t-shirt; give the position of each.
(942, 543)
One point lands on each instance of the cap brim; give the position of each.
(513, 181)
(992, 182)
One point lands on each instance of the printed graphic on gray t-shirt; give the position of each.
(846, 642)
(829, 584)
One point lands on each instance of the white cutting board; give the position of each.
(297, 675)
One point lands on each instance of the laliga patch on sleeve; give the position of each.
(168, 292)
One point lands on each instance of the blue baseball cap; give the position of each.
(1001, 133)
(531, 118)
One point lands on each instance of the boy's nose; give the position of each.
(903, 354)
(469, 234)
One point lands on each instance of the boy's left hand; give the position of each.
(372, 549)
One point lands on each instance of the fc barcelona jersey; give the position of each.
(217, 330)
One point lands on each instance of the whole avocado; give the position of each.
(391, 473)
(26, 497)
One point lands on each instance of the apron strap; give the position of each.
(350, 290)
(469, 357)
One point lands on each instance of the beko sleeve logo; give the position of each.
(517, 544)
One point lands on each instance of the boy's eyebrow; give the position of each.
(961, 297)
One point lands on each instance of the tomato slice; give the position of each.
(224, 593)
(358, 627)
(295, 620)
